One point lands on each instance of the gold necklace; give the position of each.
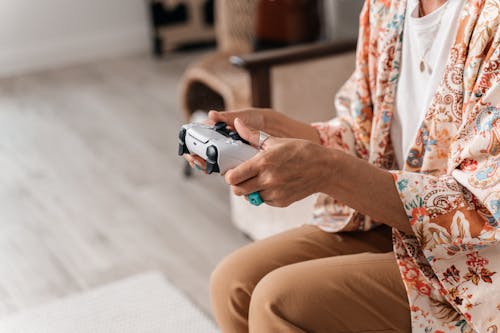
(422, 64)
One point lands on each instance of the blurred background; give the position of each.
(103, 227)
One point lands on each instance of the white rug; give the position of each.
(145, 303)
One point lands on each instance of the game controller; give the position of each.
(220, 147)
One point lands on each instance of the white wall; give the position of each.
(41, 34)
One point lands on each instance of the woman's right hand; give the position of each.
(270, 121)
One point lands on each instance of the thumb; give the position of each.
(217, 116)
(248, 133)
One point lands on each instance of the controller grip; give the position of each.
(182, 142)
(255, 199)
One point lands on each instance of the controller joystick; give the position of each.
(212, 155)
(220, 125)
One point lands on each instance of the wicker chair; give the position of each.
(213, 83)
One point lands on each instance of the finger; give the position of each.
(195, 160)
(225, 116)
(209, 122)
(246, 132)
(188, 158)
(199, 161)
(266, 196)
(242, 172)
(251, 135)
(249, 186)
(272, 198)
(220, 116)
(215, 115)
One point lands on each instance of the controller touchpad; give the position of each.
(200, 136)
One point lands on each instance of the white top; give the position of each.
(434, 32)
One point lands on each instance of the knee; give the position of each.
(271, 297)
(230, 285)
(264, 294)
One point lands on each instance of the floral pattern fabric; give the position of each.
(450, 183)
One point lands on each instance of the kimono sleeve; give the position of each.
(330, 214)
(337, 134)
(456, 218)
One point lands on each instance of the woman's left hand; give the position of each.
(284, 171)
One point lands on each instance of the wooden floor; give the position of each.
(91, 188)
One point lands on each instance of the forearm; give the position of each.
(366, 188)
(283, 126)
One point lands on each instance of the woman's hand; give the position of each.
(285, 171)
(256, 118)
(272, 122)
(267, 120)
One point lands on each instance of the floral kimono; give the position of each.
(450, 183)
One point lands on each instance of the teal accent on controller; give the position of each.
(255, 199)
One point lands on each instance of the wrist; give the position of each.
(330, 170)
(315, 135)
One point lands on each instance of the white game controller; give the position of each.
(221, 148)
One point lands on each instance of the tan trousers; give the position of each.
(308, 280)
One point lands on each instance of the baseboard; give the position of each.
(53, 54)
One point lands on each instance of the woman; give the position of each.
(424, 99)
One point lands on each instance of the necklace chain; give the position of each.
(423, 64)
